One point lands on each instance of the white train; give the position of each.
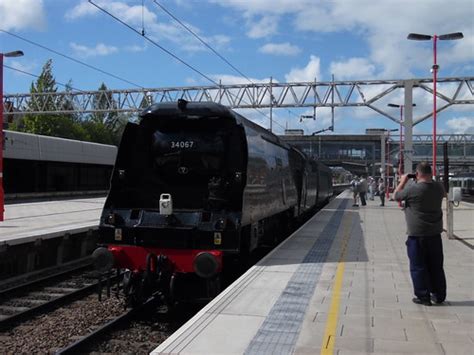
(465, 181)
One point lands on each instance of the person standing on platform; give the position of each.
(355, 185)
(372, 188)
(363, 190)
(381, 190)
(424, 218)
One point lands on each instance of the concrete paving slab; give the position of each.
(218, 338)
(364, 345)
(373, 313)
(383, 346)
(26, 222)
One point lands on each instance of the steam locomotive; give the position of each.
(196, 185)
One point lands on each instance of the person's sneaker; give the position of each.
(435, 299)
(420, 301)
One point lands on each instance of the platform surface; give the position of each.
(26, 222)
(339, 285)
(463, 221)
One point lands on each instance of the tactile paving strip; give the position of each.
(279, 332)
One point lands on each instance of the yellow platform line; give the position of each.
(329, 339)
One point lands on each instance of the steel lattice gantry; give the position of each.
(333, 94)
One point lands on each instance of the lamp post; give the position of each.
(387, 193)
(2, 195)
(400, 160)
(445, 37)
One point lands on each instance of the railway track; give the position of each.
(21, 302)
(137, 330)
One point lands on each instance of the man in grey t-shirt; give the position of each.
(424, 218)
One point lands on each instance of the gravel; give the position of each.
(47, 333)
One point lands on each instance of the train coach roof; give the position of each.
(185, 108)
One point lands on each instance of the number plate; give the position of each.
(182, 144)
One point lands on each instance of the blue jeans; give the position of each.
(426, 266)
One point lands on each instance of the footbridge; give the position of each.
(367, 153)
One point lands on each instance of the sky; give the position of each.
(286, 40)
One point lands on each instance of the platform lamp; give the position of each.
(2, 195)
(400, 162)
(387, 192)
(445, 37)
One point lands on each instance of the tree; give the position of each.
(105, 102)
(44, 84)
(105, 126)
(66, 103)
(57, 125)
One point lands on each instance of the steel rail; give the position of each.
(78, 346)
(48, 305)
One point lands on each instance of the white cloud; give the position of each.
(135, 48)
(155, 28)
(84, 8)
(26, 67)
(130, 14)
(461, 125)
(353, 68)
(265, 27)
(22, 14)
(99, 50)
(311, 71)
(234, 79)
(382, 25)
(280, 49)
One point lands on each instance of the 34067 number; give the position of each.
(182, 144)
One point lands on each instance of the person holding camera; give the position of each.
(424, 217)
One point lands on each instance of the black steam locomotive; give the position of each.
(195, 185)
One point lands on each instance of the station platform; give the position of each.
(26, 222)
(339, 285)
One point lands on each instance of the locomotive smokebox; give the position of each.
(166, 204)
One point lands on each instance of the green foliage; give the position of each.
(102, 127)
(97, 132)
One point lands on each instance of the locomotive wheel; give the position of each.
(136, 289)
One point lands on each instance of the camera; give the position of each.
(411, 176)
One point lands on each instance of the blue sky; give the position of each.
(289, 40)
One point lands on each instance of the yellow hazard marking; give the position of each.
(329, 339)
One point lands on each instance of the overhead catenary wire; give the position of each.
(201, 40)
(71, 58)
(37, 76)
(213, 50)
(154, 43)
(167, 51)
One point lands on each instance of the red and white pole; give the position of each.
(400, 168)
(435, 71)
(387, 193)
(2, 195)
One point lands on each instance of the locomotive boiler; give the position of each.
(194, 186)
